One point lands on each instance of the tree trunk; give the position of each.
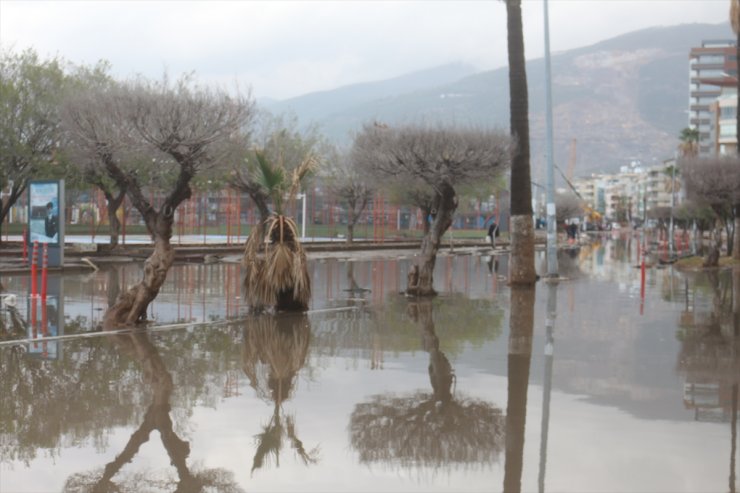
(715, 245)
(131, 306)
(522, 229)
(114, 203)
(350, 232)
(736, 235)
(5, 205)
(421, 277)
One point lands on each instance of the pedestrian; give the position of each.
(493, 233)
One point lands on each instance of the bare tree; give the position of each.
(715, 182)
(439, 158)
(344, 180)
(181, 130)
(93, 130)
(568, 205)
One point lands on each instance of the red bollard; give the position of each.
(34, 260)
(44, 267)
(25, 246)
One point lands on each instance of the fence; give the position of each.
(231, 215)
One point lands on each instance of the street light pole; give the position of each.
(552, 238)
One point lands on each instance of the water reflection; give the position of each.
(139, 348)
(273, 352)
(521, 323)
(710, 358)
(438, 430)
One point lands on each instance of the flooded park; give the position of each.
(615, 385)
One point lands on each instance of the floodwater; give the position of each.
(596, 383)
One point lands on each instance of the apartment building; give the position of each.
(714, 60)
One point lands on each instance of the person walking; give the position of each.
(493, 233)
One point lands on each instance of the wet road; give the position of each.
(597, 383)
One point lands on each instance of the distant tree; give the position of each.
(344, 180)
(568, 205)
(689, 146)
(521, 264)
(30, 89)
(89, 125)
(436, 161)
(181, 130)
(716, 183)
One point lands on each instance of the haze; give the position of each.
(284, 49)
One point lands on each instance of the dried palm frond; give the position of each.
(279, 277)
(306, 167)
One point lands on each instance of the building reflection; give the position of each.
(441, 429)
(710, 357)
(274, 350)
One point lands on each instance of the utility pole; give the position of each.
(552, 232)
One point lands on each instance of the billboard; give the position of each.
(45, 212)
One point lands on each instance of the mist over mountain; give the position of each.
(621, 99)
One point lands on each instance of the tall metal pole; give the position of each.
(552, 233)
(673, 198)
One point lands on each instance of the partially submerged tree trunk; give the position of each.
(131, 306)
(421, 278)
(521, 266)
(715, 246)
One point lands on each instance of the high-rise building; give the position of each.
(715, 59)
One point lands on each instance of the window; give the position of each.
(727, 112)
(728, 130)
(711, 59)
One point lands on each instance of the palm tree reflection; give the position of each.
(438, 430)
(157, 418)
(521, 322)
(275, 349)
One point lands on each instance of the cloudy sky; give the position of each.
(286, 48)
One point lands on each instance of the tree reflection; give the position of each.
(710, 358)
(274, 350)
(438, 430)
(138, 346)
(521, 321)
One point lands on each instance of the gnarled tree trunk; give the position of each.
(421, 277)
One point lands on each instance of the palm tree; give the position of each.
(689, 146)
(522, 230)
(275, 262)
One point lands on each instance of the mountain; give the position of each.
(621, 99)
(317, 106)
